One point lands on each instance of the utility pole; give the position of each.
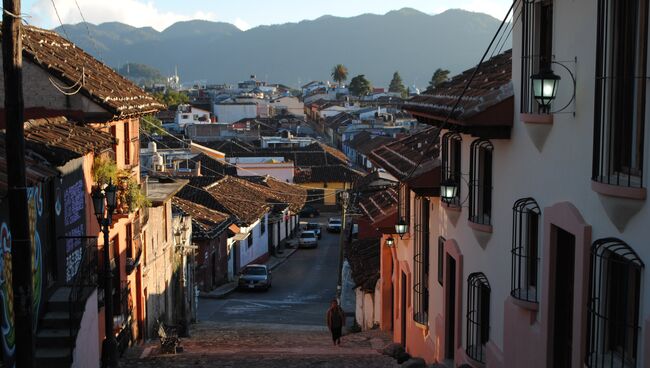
(345, 196)
(21, 252)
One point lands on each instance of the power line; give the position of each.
(92, 39)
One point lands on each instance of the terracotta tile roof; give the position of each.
(336, 121)
(364, 258)
(206, 223)
(374, 143)
(37, 169)
(491, 86)
(401, 157)
(327, 174)
(376, 180)
(313, 155)
(377, 206)
(293, 195)
(59, 140)
(211, 166)
(359, 139)
(67, 62)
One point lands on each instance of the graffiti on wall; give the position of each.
(35, 208)
(7, 295)
(74, 225)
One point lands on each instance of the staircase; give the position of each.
(57, 331)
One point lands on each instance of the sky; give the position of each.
(245, 14)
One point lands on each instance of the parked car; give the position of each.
(255, 276)
(309, 211)
(334, 225)
(308, 239)
(315, 227)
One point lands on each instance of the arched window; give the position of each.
(478, 316)
(480, 172)
(613, 304)
(525, 249)
(421, 261)
(451, 159)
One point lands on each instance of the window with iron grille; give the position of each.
(441, 260)
(451, 156)
(478, 316)
(480, 192)
(127, 144)
(619, 125)
(525, 250)
(421, 262)
(262, 225)
(613, 305)
(536, 47)
(404, 209)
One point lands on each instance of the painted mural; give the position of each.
(7, 297)
(35, 207)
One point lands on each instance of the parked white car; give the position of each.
(308, 239)
(334, 225)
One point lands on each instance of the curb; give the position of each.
(234, 288)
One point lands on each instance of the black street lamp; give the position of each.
(105, 202)
(545, 85)
(448, 190)
(401, 228)
(390, 242)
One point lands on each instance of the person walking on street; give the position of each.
(335, 321)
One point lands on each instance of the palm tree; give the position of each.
(340, 73)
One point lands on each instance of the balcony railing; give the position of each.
(81, 276)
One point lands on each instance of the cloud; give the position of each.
(133, 12)
(242, 24)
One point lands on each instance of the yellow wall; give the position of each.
(330, 190)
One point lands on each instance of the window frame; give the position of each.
(620, 93)
(478, 329)
(611, 255)
(441, 260)
(526, 216)
(452, 146)
(481, 181)
(421, 261)
(536, 47)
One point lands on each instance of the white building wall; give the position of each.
(259, 248)
(86, 352)
(230, 113)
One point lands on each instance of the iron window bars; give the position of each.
(441, 260)
(421, 262)
(619, 118)
(478, 316)
(480, 172)
(525, 250)
(451, 159)
(536, 47)
(613, 309)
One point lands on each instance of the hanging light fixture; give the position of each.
(99, 204)
(545, 85)
(401, 228)
(448, 190)
(390, 242)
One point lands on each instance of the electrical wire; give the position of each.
(445, 124)
(92, 39)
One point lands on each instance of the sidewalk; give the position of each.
(273, 262)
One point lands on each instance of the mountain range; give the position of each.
(406, 40)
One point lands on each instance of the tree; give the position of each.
(439, 77)
(171, 98)
(360, 86)
(340, 73)
(151, 124)
(397, 86)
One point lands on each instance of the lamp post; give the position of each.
(545, 85)
(105, 202)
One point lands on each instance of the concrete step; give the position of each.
(53, 357)
(55, 338)
(58, 320)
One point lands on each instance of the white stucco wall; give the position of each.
(260, 243)
(230, 113)
(86, 352)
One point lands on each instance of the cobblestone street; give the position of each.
(265, 346)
